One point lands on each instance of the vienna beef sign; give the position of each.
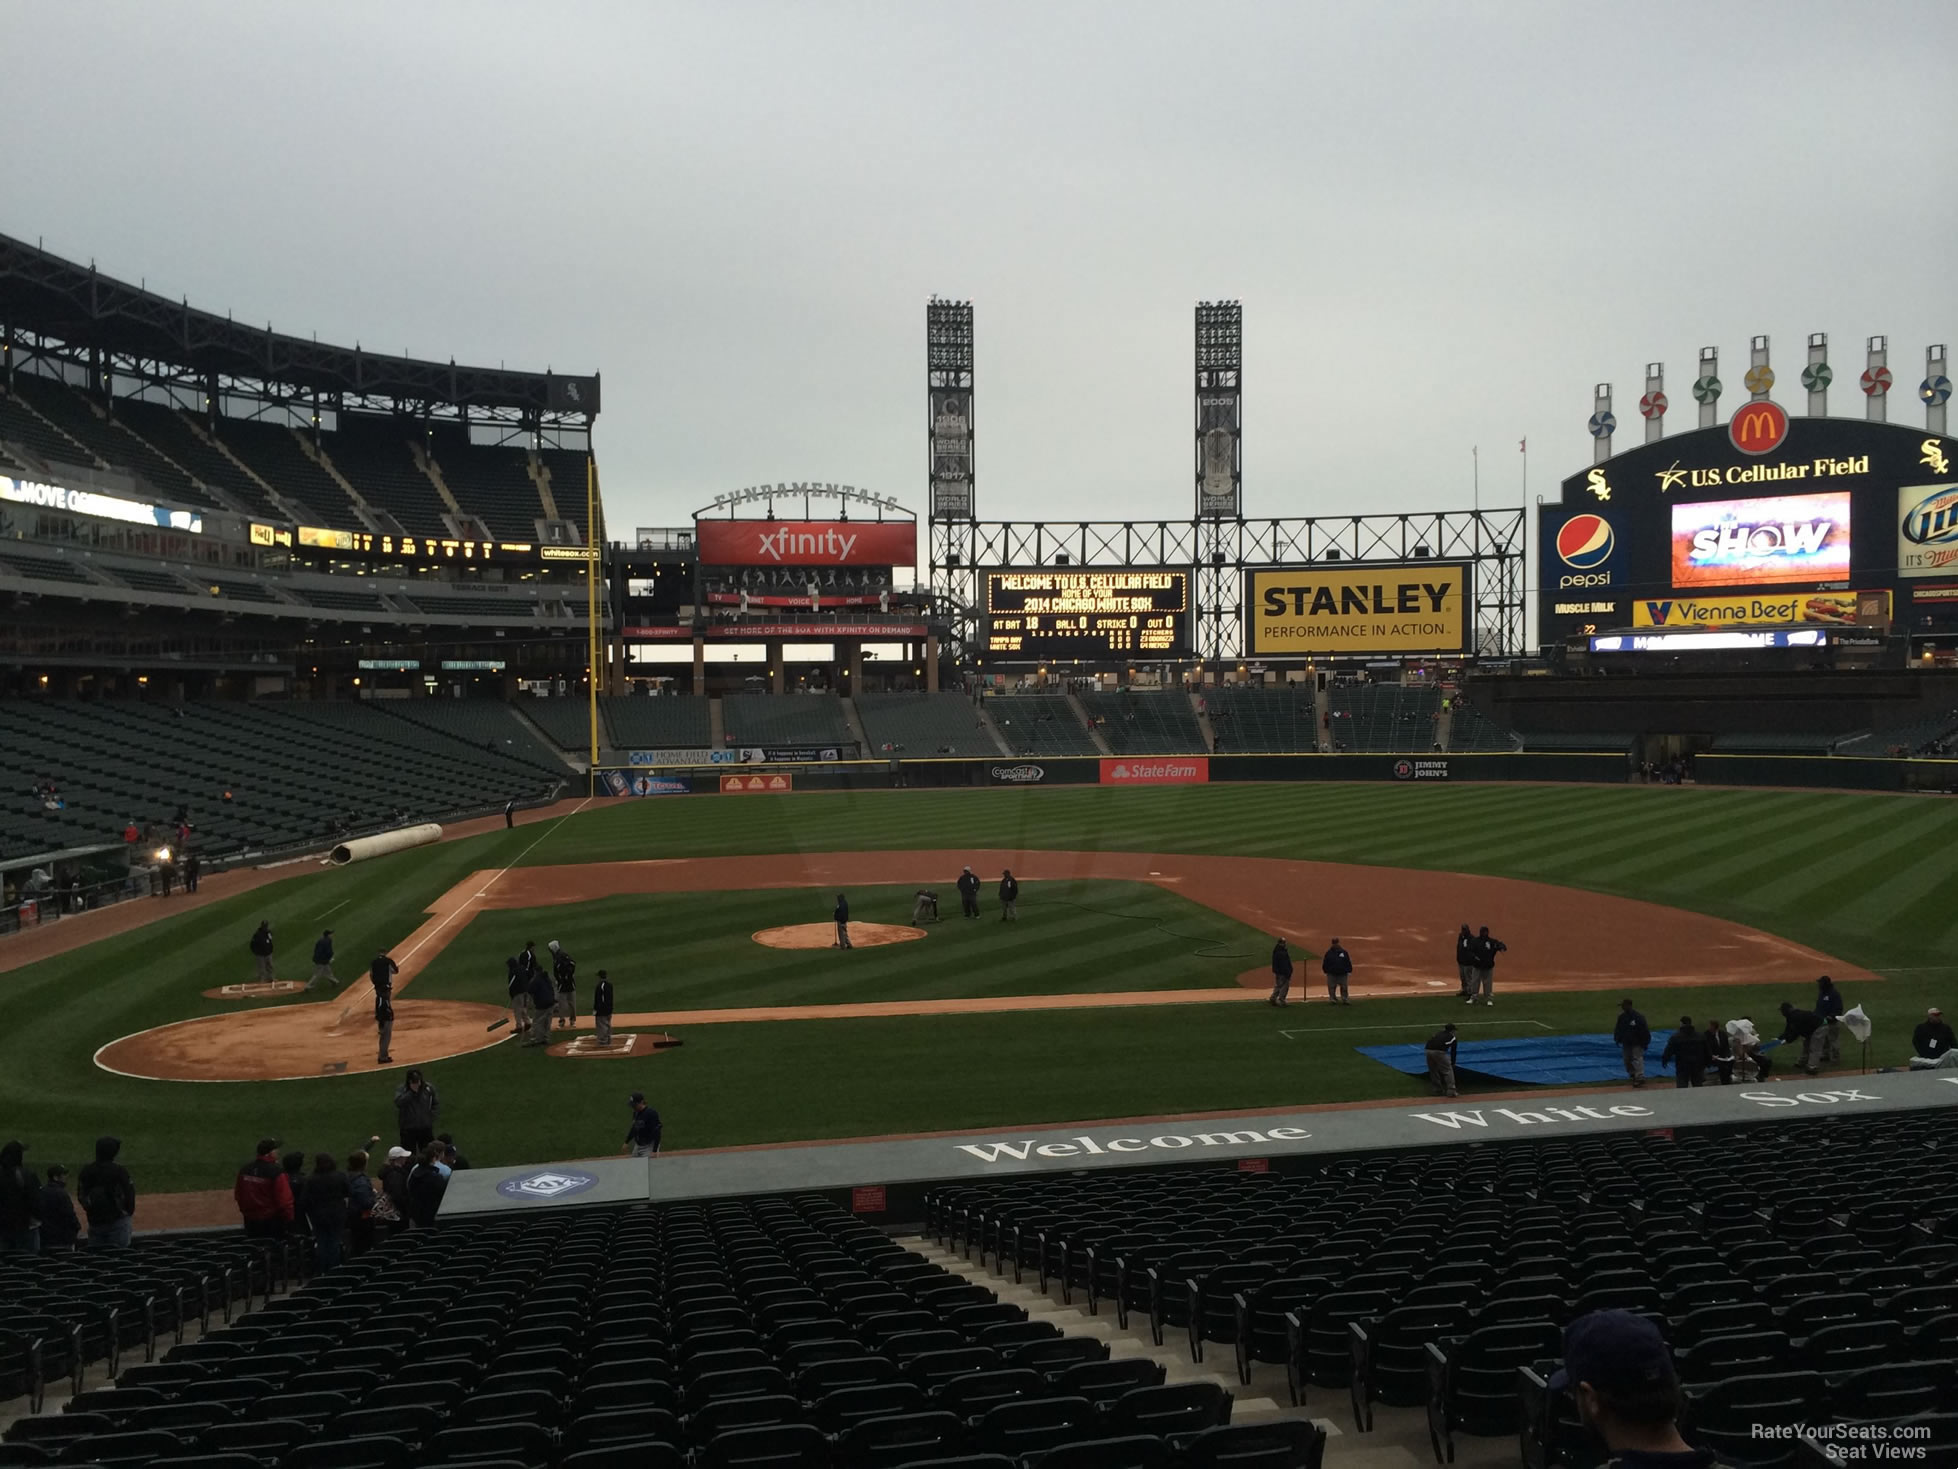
(806, 542)
(1411, 607)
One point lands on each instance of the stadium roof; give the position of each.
(52, 297)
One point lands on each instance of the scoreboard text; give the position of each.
(1124, 612)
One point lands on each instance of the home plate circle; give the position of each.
(823, 935)
(634, 1043)
(255, 990)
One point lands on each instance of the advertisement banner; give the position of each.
(1412, 607)
(1156, 770)
(682, 757)
(1026, 773)
(1420, 770)
(1584, 552)
(1114, 612)
(1927, 530)
(1777, 538)
(756, 785)
(806, 542)
(951, 454)
(628, 783)
(1773, 609)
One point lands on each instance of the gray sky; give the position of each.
(1445, 221)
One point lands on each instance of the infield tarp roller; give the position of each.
(398, 840)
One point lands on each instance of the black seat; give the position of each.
(135, 1448)
(1136, 1452)
(522, 1443)
(1728, 1416)
(904, 1438)
(970, 1395)
(367, 1452)
(1171, 1408)
(727, 1414)
(1026, 1426)
(1105, 1381)
(647, 1453)
(1290, 1443)
(781, 1446)
(262, 1438)
(621, 1426)
(836, 1411)
(821, 1378)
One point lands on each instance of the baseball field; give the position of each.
(1130, 985)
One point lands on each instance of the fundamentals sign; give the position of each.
(1412, 607)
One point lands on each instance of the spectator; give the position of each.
(261, 947)
(451, 1154)
(323, 1200)
(1620, 1375)
(642, 1135)
(360, 1204)
(415, 1106)
(1829, 1005)
(1441, 1060)
(391, 1203)
(193, 869)
(20, 1203)
(1932, 1043)
(131, 833)
(1632, 1035)
(263, 1194)
(428, 1180)
(1719, 1050)
(60, 1225)
(1800, 1027)
(108, 1197)
(1686, 1053)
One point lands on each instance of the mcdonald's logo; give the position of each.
(1758, 428)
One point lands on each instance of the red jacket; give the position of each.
(262, 1191)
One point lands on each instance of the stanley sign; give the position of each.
(1413, 607)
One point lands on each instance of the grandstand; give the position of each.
(923, 724)
(1159, 722)
(493, 484)
(375, 456)
(1251, 719)
(110, 440)
(1471, 730)
(804, 720)
(276, 455)
(486, 723)
(1384, 718)
(566, 723)
(1932, 734)
(1040, 724)
(296, 772)
(669, 722)
(168, 431)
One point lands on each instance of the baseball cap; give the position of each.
(394, 1153)
(637, 1097)
(267, 1145)
(56, 1170)
(1615, 1352)
(1934, 1010)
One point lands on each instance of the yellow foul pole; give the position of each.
(594, 647)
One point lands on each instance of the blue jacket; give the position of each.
(601, 998)
(1337, 961)
(1828, 1002)
(323, 950)
(1281, 962)
(644, 1129)
(842, 914)
(1631, 1029)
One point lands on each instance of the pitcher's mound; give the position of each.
(256, 990)
(823, 935)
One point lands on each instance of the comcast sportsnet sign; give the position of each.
(1165, 770)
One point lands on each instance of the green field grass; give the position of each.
(1872, 879)
(696, 951)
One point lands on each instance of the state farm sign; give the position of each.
(1163, 770)
(806, 542)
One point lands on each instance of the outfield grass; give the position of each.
(1871, 878)
(696, 951)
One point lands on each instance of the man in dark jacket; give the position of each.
(969, 893)
(193, 870)
(1798, 1028)
(1829, 1005)
(1337, 966)
(1719, 1050)
(1686, 1053)
(1486, 949)
(261, 947)
(20, 1202)
(108, 1197)
(1441, 1060)
(841, 913)
(323, 961)
(1932, 1042)
(60, 1225)
(264, 1194)
(543, 996)
(527, 961)
(1465, 962)
(564, 972)
(1009, 896)
(601, 1010)
(323, 1200)
(1281, 972)
(642, 1134)
(415, 1106)
(1633, 1035)
(428, 1180)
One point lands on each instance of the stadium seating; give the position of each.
(1157, 722)
(110, 439)
(490, 482)
(1250, 719)
(669, 722)
(164, 428)
(275, 455)
(1771, 742)
(919, 725)
(1934, 733)
(374, 456)
(567, 476)
(786, 720)
(484, 723)
(19, 424)
(1472, 730)
(48, 568)
(1385, 719)
(1040, 724)
(297, 772)
(566, 722)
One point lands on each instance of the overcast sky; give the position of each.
(1445, 221)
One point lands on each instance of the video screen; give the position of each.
(1767, 541)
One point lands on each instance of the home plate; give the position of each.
(634, 1043)
(255, 991)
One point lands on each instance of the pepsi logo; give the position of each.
(1586, 541)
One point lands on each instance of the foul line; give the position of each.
(334, 909)
(1423, 1025)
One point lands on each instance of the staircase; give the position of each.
(541, 477)
(992, 729)
(1081, 716)
(1203, 722)
(856, 728)
(716, 724)
(369, 516)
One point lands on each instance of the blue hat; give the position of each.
(1616, 1352)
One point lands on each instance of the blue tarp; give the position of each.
(1544, 1060)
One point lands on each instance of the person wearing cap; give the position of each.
(415, 1106)
(391, 1204)
(323, 961)
(564, 971)
(543, 1000)
(1686, 1053)
(841, 914)
(1009, 896)
(1719, 1050)
(1337, 965)
(601, 1010)
(263, 1194)
(20, 1197)
(261, 947)
(1829, 1004)
(642, 1134)
(1486, 949)
(1632, 1035)
(1465, 963)
(1440, 1052)
(1281, 973)
(1619, 1372)
(1799, 1027)
(969, 892)
(1932, 1044)
(61, 1226)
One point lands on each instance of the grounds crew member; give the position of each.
(1829, 1005)
(1281, 973)
(924, 905)
(1465, 962)
(263, 1194)
(842, 917)
(1337, 966)
(642, 1134)
(1801, 1026)
(1440, 1052)
(509, 811)
(527, 961)
(543, 996)
(1686, 1053)
(969, 893)
(108, 1197)
(323, 960)
(1009, 896)
(564, 972)
(518, 987)
(261, 947)
(601, 1010)
(1719, 1050)
(1633, 1035)
(380, 974)
(1933, 1044)
(415, 1106)
(1484, 970)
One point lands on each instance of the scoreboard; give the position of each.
(1120, 612)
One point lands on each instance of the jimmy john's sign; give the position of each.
(1411, 607)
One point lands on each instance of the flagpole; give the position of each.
(1475, 453)
(1524, 445)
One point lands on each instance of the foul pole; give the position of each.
(592, 646)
